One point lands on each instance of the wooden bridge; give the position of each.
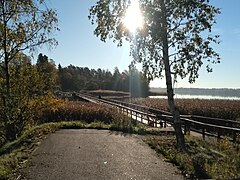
(206, 126)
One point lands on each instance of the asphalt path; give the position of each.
(96, 154)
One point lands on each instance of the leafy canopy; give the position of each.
(25, 25)
(189, 33)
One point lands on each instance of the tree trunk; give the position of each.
(9, 128)
(7, 76)
(6, 57)
(171, 102)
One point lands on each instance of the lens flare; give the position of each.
(133, 19)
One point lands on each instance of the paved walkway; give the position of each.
(96, 154)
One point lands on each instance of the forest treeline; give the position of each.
(74, 78)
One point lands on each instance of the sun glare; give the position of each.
(133, 19)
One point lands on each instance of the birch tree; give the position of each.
(175, 39)
(25, 25)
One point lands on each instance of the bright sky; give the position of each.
(78, 46)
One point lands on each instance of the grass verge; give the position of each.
(202, 160)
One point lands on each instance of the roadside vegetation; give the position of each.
(65, 115)
(202, 159)
(218, 160)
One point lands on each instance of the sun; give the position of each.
(133, 18)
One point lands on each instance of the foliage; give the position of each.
(28, 98)
(73, 78)
(176, 38)
(225, 109)
(184, 22)
(47, 69)
(202, 159)
(138, 84)
(24, 25)
(98, 115)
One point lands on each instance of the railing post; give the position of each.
(165, 124)
(148, 120)
(219, 134)
(234, 136)
(203, 133)
(187, 129)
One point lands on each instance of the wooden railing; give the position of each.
(206, 126)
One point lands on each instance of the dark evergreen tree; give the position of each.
(72, 78)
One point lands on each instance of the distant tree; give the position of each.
(73, 78)
(48, 71)
(176, 38)
(108, 80)
(125, 80)
(42, 59)
(116, 85)
(66, 81)
(59, 67)
(138, 83)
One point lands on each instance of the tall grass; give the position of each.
(86, 111)
(202, 160)
(226, 109)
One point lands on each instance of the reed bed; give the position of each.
(225, 109)
(77, 110)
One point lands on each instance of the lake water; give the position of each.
(181, 96)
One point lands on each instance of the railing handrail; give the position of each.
(160, 112)
(187, 120)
